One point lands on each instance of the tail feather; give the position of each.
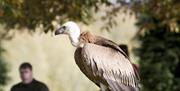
(122, 87)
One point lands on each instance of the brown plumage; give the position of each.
(101, 60)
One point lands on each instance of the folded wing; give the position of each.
(111, 66)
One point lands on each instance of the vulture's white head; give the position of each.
(72, 30)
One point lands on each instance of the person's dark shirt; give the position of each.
(33, 86)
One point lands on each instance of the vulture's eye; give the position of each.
(63, 27)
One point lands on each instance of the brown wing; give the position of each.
(78, 59)
(108, 43)
(82, 66)
(110, 65)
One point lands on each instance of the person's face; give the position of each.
(26, 75)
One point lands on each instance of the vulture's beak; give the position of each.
(59, 31)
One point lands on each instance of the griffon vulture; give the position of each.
(101, 60)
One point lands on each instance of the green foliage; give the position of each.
(33, 13)
(159, 54)
(166, 12)
(159, 50)
(3, 71)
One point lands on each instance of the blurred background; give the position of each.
(150, 29)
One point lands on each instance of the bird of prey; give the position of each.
(101, 60)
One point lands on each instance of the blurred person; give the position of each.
(28, 83)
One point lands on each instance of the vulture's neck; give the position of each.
(74, 40)
(80, 40)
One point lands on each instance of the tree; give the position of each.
(157, 13)
(33, 13)
(159, 56)
(3, 71)
(159, 24)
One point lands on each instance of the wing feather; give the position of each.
(110, 65)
